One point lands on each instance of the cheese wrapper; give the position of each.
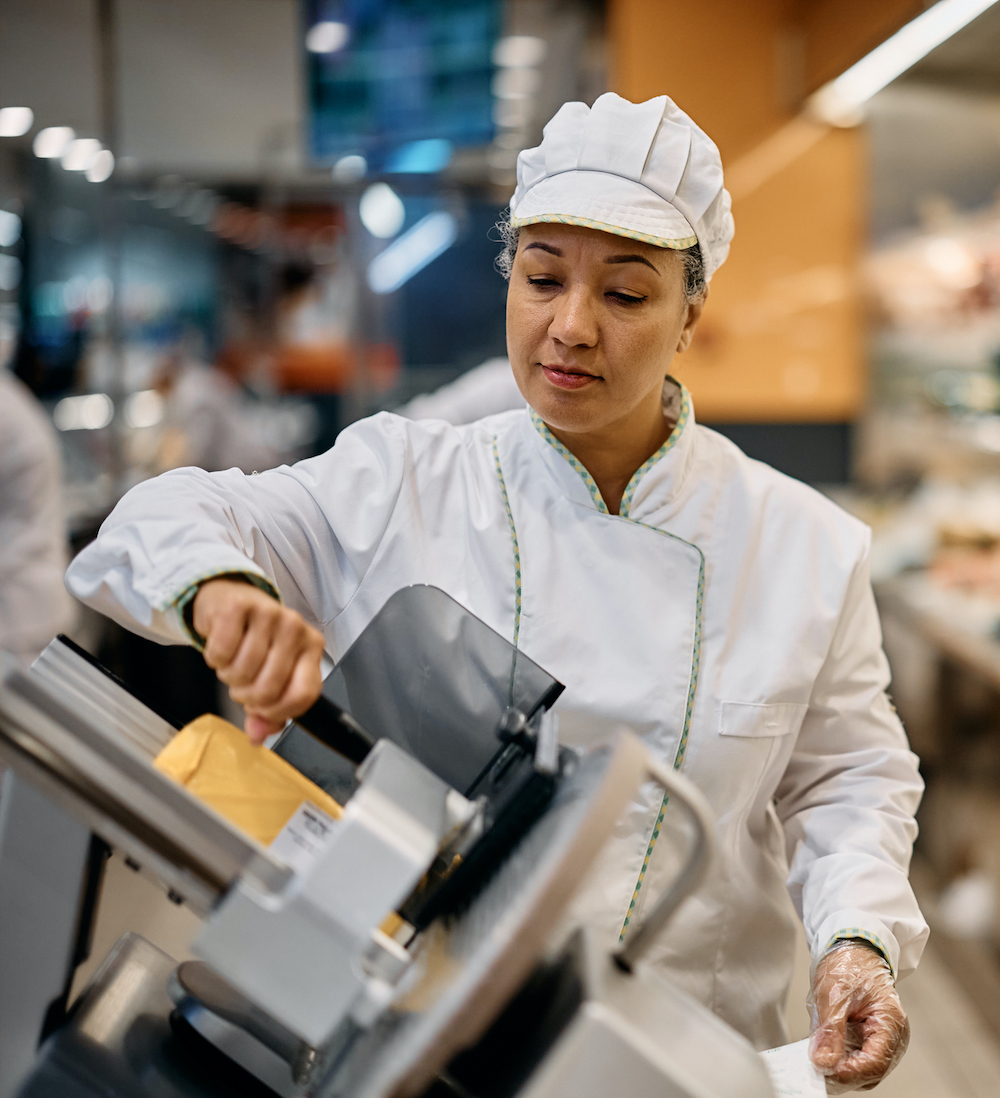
(251, 786)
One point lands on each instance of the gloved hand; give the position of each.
(859, 1028)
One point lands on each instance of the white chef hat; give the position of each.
(641, 170)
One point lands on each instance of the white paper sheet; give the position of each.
(792, 1071)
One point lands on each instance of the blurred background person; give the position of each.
(207, 420)
(482, 391)
(34, 604)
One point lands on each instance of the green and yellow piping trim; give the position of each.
(517, 565)
(688, 713)
(675, 243)
(855, 933)
(595, 493)
(627, 496)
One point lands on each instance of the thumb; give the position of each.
(258, 728)
(829, 1041)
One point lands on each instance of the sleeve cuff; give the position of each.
(842, 926)
(183, 604)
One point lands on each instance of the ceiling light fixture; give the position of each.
(327, 37)
(15, 121)
(349, 169)
(50, 143)
(840, 102)
(421, 157)
(382, 211)
(101, 166)
(144, 409)
(80, 154)
(417, 247)
(83, 413)
(519, 51)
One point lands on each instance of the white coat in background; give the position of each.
(34, 605)
(726, 615)
(214, 422)
(482, 391)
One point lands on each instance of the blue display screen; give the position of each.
(399, 82)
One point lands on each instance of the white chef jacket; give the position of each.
(725, 615)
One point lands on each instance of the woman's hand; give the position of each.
(264, 652)
(860, 1030)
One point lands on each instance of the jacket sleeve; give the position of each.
(848, 797)
(309, 531)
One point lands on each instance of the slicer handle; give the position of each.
(693, 801)
(336, 729)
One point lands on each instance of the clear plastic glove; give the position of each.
(860, 1030)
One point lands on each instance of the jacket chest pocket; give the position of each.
(761, 720)
(751, 750)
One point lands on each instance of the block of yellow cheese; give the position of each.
(251, 786)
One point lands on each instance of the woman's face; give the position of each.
(593, 322)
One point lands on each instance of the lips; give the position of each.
(567, 379)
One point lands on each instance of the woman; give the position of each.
(720, 609)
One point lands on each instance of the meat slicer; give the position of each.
(416, 946)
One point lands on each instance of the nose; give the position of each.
(574, 321)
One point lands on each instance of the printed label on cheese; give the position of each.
(301, 839)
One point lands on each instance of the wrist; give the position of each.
(851, 924)
(185, 602)
(855, 941)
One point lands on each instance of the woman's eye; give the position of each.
(545, 283)
(627, 299)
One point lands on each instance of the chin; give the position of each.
(567, 411)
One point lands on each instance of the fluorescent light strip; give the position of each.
(417, 247)
(839, 101)
(83, 413)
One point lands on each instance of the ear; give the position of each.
(694, 311)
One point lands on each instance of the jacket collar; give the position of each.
(655, 482)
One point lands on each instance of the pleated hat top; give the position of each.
(640, 170)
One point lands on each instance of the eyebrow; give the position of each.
(552, 250)
(631, 259)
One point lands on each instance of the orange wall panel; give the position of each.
(717, 61)
(782, 336)
(836, 33)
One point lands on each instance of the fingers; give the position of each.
(303, 687)
(831, 1001)
(259, 728)
(223, 631)
(829, 1042)
(886, 1036)
(279, 686)
(265, 652)
(263, 629)
(260, 623)
(271, 677)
